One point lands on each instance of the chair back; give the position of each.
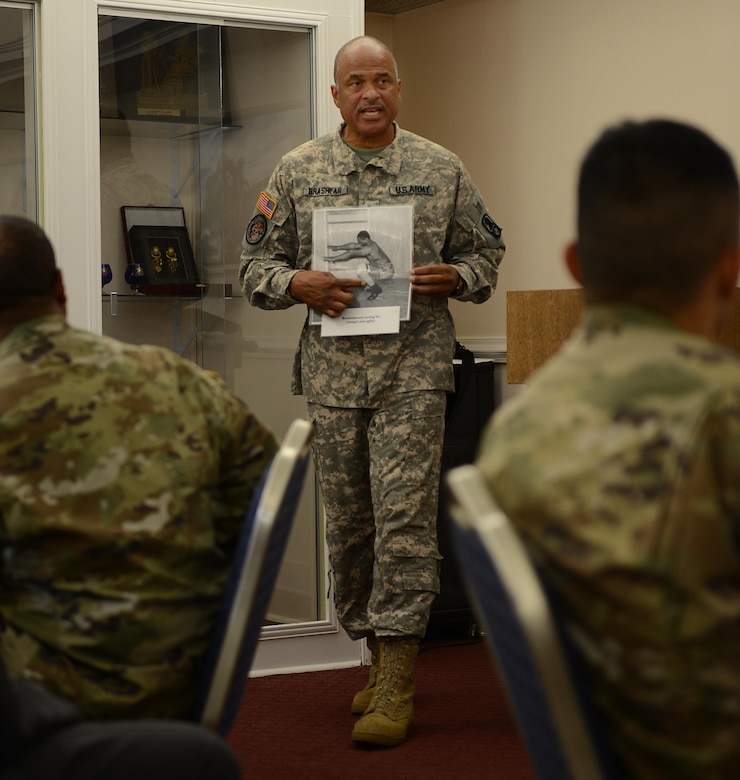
(522, 633)
(252, 579)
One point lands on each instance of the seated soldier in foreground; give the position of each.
(125, 472)
(620, 462)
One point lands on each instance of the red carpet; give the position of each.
(299, 725)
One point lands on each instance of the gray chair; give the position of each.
(563, 740)
(252, 581)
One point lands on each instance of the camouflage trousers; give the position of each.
(379, 471)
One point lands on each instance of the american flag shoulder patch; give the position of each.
(266, 205)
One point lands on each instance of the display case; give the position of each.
(194, 117)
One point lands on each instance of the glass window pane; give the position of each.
(18, 166)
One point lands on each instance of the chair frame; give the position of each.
(473, 510)
(267, 508)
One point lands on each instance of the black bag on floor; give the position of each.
(468, 410)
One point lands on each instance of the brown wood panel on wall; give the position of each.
(539, 321)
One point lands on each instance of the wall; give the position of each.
(520, 88)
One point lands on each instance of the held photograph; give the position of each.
(373, 243)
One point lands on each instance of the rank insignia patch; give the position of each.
(266, 204)
(256, 229)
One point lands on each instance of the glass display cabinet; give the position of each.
(193, 118)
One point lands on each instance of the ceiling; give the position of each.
(395, 6)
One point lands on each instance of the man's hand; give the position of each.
(440, 280)
(323, 291)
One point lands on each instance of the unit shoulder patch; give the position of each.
(256, 229)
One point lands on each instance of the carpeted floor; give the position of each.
(299, 725)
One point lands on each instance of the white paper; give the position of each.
(357, 322)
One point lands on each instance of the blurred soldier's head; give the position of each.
(657, 216)
(29, 277)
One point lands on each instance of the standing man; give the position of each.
(377, 401)
(620, 464)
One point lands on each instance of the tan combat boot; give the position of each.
(362, 698)
(391, 711)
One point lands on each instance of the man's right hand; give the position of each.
(323, 291)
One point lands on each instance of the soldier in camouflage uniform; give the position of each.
(124, 475)
(620, 462)
(377, 401)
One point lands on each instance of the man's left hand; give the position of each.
(440, 280)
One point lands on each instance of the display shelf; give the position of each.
(13, 120)
(173, 131)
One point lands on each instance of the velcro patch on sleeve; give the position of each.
(256, 229)
(266, 205)
(490, 225)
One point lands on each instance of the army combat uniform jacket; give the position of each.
(620, 462)
(451, 225)
(124, 475)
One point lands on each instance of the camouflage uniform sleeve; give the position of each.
(270, 247)
(475, 245)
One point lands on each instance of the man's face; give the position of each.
(367, 94)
